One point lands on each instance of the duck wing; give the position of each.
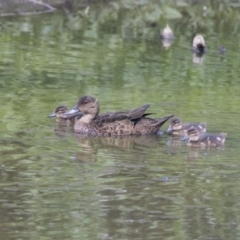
(138, 112)
(131, 114)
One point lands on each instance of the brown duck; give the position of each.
(61, 118)
(128, 122)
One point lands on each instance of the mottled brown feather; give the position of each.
(128, 122)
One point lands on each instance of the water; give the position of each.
(58, 185)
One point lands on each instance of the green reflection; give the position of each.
(58, 185)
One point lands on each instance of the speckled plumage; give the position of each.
(195, 139)
(177, 127)
(128, 122)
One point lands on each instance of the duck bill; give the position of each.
(53, 114)
(169, 130)
(73, 111)
(185, 138)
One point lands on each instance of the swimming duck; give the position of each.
(222, 49)
(129, 122)
(59, 113)
(167, 33)
(177, 127)
(198, 45)
(196, 139)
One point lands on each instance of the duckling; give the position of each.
(198, 45)
(196, 139)
(59, 113)
(177, 127)
(130, 122)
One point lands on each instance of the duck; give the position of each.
(177, 127)
(197, 139)
(222, 49)
(167, 33)
(130, 122)
(198, 45)
(59, 113)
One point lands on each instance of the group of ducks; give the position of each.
(86, 120)
(198, 44)
(195, 133)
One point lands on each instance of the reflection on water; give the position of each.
(133, 144)
(167, 43)
(59, 185)
(198, 58)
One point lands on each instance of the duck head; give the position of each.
(87, 105)
(59, 112)
(192, 135)
(175, 125)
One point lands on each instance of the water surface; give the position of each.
(59, 185)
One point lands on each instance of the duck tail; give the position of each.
(161, 121)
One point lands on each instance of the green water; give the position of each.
(57, 185)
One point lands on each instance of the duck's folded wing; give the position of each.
(111, 117)
(138, 112)
(131, 114)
